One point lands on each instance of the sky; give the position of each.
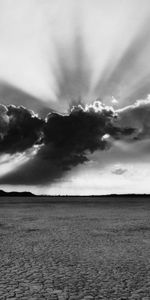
(75, 96)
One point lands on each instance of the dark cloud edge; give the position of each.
(82, 128)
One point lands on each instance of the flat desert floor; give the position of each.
(75, 250)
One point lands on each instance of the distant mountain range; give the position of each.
(28, 194)
(16, 194)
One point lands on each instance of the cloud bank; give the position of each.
(64, 141)
(20, 129)
(136, 116)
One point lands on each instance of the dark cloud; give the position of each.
(4, 120)
(64, 140)
(68, 137)
(136, 116)
(119, 171)
(20, 129)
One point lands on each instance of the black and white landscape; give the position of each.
(74, 149)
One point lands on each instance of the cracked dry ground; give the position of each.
(75, 251)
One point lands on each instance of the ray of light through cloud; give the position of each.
(107, 41)
(10, 163)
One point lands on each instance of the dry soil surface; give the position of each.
(74, 250)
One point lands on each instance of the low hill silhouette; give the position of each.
(86, 197)
(16, 194)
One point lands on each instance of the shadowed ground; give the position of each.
(98, 250)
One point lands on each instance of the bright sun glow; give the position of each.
(48, 47)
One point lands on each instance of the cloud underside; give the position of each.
(64, 141)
